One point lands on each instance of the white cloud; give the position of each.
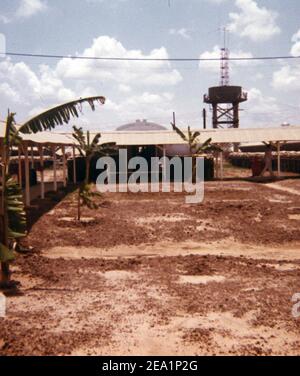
(157, 73)
(261, 110)
(2, 44)
(4, 19)
(9, 93)
(261, 104)
(183, 32)
(266, 110)
(147, 105)
(25, 9)
(102, 1)
(28, 8)
(133, 89)
(288, 76)
(125, 88)
(295, 50)
(253, 22)
(20, 84)
(217, 1)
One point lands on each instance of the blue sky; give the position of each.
(149, 28)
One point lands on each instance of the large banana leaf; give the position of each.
(192, 140)
(58, 115)
(16, 217)
(179, 132)
(15, 209)
(87, 148)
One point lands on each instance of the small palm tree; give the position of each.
(88, 149)
(194, 145)
(192, 140)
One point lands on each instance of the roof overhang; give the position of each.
(140, 138)
(218, 136)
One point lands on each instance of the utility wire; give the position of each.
(46, 56)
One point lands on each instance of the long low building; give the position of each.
(218, 136)
(165, 137)
(155, 142)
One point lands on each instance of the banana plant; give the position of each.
(192, 140)
(13, 223)
(15, 219)
(12, 213)
(88, 149)
(195, 147)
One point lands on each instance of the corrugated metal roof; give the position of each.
(45, 138)
(49, 138)
(218, 136)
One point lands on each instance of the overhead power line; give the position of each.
(75, 57)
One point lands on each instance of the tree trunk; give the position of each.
(79, 205)
(87, 170)
(5, 273)
(194, 171)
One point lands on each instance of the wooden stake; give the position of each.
(32, 157)
(164, 164)
(63, 149)
(217, 166)
(278, 160)
(27, 176)
(41, 152)
(222, 166)
(54, 168)
(74, 166)
(20, 166)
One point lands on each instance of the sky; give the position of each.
(149, 29)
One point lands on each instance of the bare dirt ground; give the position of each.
(147, 274)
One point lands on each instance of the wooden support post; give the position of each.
(204, 118)
(278, 160)
(19, 166)
(222, 166)
(164, 164)
(27, 176)
(54, 168)
(63, 149)
(217, 166)
(74, 166)
(41, 152)
(32, 157)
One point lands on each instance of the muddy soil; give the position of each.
(248, 212)
(147, 274)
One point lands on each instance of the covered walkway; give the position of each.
(30, 155)
(55, 145)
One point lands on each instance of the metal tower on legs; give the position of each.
(225, 99)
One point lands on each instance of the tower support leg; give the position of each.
(215, 116)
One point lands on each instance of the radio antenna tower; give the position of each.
(224, 71)
(225, 99)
